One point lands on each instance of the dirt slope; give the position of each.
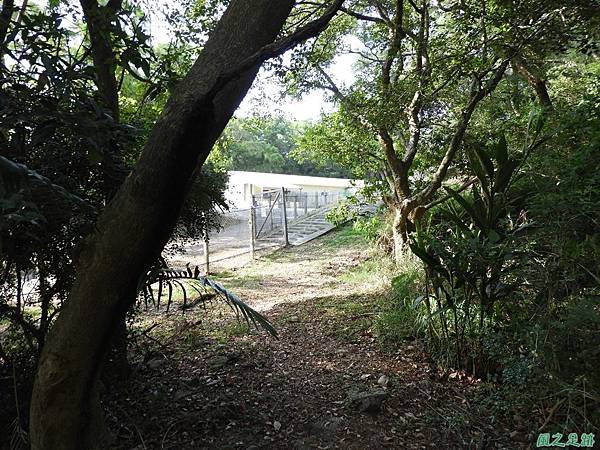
(202, 382)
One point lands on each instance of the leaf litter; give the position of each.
(201, 381)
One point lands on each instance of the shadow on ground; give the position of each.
(203, 382)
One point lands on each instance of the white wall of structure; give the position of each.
(242, 185)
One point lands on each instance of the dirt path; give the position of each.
(201, 382)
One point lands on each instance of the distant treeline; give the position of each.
(260, 144)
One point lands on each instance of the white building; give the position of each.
(243, 185)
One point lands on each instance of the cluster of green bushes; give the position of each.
(508, 289)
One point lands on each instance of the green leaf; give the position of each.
(486, 162)
(167, 275)
(455, 219)
(504, 175)
(439, 311)
(480, 172)
(478, 218)
(501, 151)
(493, 237)
(423, 255)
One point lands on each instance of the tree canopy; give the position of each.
(268, 144)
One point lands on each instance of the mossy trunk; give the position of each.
(406, 216)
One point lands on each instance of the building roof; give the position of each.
(277, 180)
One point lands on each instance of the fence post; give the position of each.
(270, 210)
(206, 255)
(285, 224)
(295, 206)
(316, 200)
(252, 222)
(305, 203)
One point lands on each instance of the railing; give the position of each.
(263, 226)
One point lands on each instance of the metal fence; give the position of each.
(246, 233)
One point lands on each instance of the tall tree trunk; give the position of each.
(132, 230)
(406, 216)
(408, 209)
(8, 8)
(399, 233)
(100, 24)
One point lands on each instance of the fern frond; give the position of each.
(212, 289)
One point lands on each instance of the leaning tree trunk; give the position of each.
(65, 411)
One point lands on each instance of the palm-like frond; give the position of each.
(208, 290)
(18, 436)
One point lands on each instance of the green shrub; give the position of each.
(339, 214)
(369, 227)
(468, 251)
(573, 348)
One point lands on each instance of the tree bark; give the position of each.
(399, 232)
(99, 22)
(406, 215)
(8, 8)
(535, 81)
(65, 411)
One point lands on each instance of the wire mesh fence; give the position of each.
(245, 233)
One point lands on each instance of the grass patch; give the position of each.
(343, 237)
(399, 318)
(226, 331)
(232, 281)
(344, 306)
(372, 275)
(351, 315)
(281, 255)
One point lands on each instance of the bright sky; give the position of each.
(265, 95)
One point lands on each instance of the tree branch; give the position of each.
(8, 8)
(426, 194)
(535, 81)
(22, 11)
(392, 52)
(415, 7)
(310, 30)
(98, 21)
(414, 127)
(331, 85)
(362, 16)
(381, 10)
(445, 198)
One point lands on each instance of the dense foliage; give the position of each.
(63, 153)
(510, 288)
(267, 144)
